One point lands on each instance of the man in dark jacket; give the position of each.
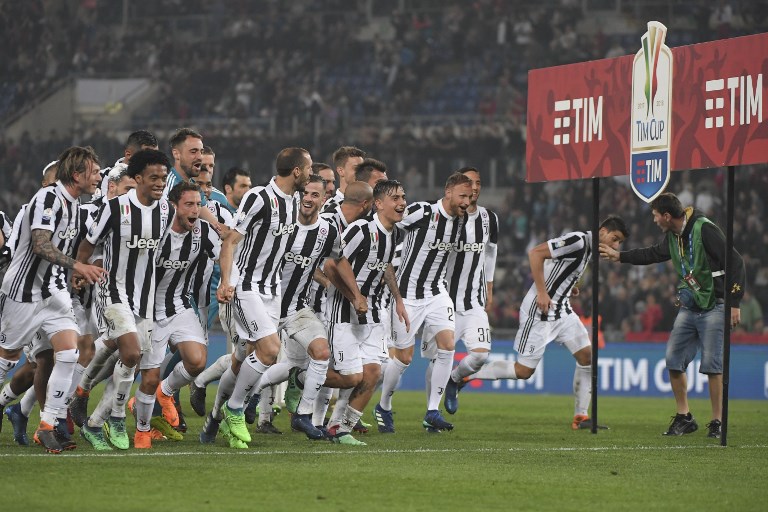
(696, 247)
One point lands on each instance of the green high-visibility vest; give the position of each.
(705, 296)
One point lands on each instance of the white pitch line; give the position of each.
(364, 451)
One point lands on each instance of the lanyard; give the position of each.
(681, 246)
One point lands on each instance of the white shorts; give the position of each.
(292, 352)
(435, 312)
(202, 317)
(86, 321)
(184, 326)
(355, 345)
(40, 343)
(472, 327)
(303, 327)
(120, 320)
(534, 335)
(19, 321)
(256, 316)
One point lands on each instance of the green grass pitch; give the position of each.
(508, 452)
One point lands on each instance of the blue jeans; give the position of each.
(694, 330)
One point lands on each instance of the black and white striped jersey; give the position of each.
(88, 213)
(570, 255)
(12, 242)
(30, 278)
(131, 233)
(201, 284)
(369, 248)
(332, 204)
(309, 249)
(431, 235)
(6, 227)
(472, 263)
(179, 257)
(267, 220)
(318, 293)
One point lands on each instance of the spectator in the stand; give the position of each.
(751, 314)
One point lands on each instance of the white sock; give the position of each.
(144, 404)
(214, 372)
(76, 377)
(384, 364)
(7, 395)
(314, 378)
(582, 388)
(28, 402)
(440, 375)
(178, 378)
(322, 401)
(104, 407)
(99, 361)
(56, 396)
(250, 373)
(6, 365)
(351, 417)
(274, 375)
(266, 400)
(428, 378)
(391, 381)
(226, 385)
(496, 370)
(341, 407)
(469, 365)
(123, 378)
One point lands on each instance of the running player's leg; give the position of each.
(573, 334)
(151, 359)
(473, 328)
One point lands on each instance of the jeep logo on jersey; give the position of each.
(142, 243)
(379, 266)
(285, 229)
(298, 259)
(473, 247)
(68, 234)
(441, 246)
(173, 264)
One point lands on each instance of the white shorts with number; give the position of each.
(301, 329)
(256, 316)
(19, 321)
(535, 334)
(437, 313)
(86, 320)
(472, 327)
(355, 345)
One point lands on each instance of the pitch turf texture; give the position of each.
(508, 452)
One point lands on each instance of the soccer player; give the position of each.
(138, 140)
(325, 171)
(470, 283)
(131, 227)
(433, 230)
(189, 244)
(34, 294)
(263, 229)
(546, 314)
(358, 340)
(346, 158)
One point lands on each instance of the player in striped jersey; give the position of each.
(138, 140)
(263, 229)
(358, 340)
(346, 158)
(433, 230)
(470, 283)
(546, 314)
(187, 243)
(130, 227)
(34, 290)
(325, 171)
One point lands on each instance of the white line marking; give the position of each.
(364, 451)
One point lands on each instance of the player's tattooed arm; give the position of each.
(43, 246)
(391, 280)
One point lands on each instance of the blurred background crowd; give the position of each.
(424, 85)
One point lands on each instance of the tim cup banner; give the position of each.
(613, 117)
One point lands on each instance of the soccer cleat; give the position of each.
(95, 436)
(161, 424)
(433, 419)
(294, 389)
(70, 423)
(142, 440)
(182, 427)
(452, 396)
(210, 429)
(168, 406)
(19, 422)
(266, 427)
(63, 436)
(714, 428)
(157, 435)
(115, 433)
(346, 439)
(360, 427)
(78, 407)
(251, 410)
(583, 422)
(45, 436)
(682, 424)
(384, 420)
(236, 443)
(197, 399)
(235, 420)
(303, 423)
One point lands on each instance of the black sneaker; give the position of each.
(197, 399)
(682, 424)
(714, 427)
(266, 427)
(250, 409)
(46, 437)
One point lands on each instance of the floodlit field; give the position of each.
(507, 453)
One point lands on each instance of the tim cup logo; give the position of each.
(651, 114)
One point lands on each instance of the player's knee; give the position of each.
(319, 350)
(523, 372)
(405, 358)
(195, 366)
(130, 358)
(584, 356)
(68, 356)
(150, 381)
